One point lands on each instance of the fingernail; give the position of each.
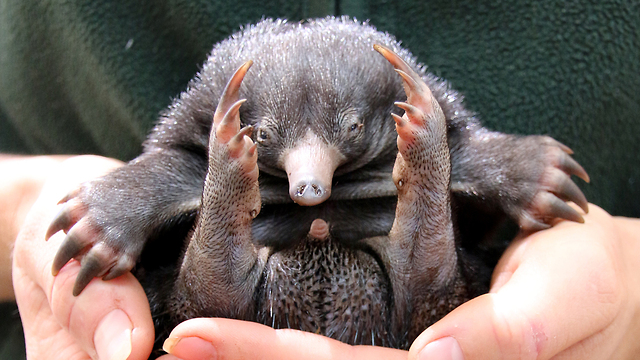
(190, 348)
(113, 336)
(442, 349)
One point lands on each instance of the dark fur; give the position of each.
(320, 75)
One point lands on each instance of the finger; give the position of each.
(111, 320)
(558, 292)
(107, 319)
(235, 339)
(43, 335)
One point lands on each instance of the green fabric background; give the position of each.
(85, 76)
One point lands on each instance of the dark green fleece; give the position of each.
(86, 76)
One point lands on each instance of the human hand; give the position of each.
(111, 320)
(569, 292)
(20, 183)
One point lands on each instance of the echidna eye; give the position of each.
(262, 135)
(354, 127)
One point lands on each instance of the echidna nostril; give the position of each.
(309, 192)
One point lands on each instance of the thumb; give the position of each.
(109, 320)
(555, 292)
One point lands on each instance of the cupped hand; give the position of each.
(569, 292)
(111, 320)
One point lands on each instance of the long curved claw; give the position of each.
(567, 190)
(91, 267)
(123, 265)
(238, 141)
(101, 247)
(229, 97)
(553, 188)
(564, 161)
(227, 134)
(562, 146)
(405, 125)
(97, 260)
(74, 193)
(397, 62)
(100, 261)
(62, 221)
(418, 93)
(73, 246)
(68, 216)
(416, 90)
(421, 108)
(400, 121)
(557, 208)
(529, 223)
(414, 114)
(567, 164)
(545, 207)
(230, 123)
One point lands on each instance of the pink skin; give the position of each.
(310, 166)
(319, 229)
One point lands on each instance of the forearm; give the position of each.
(20, 183)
